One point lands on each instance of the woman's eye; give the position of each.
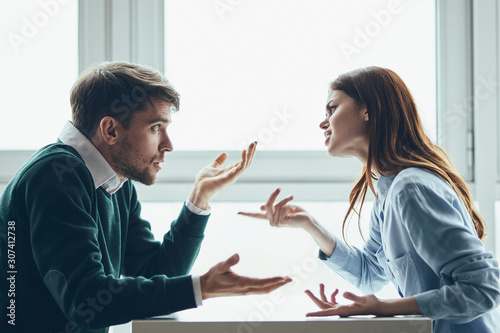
(330, 110)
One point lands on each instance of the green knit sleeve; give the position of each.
(174, 256)
(64, 236)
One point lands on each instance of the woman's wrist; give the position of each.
(310, 225)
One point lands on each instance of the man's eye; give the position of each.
(156, 127)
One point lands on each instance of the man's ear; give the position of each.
(110, 129)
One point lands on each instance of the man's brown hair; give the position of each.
(118, 90)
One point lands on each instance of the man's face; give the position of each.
(140, 151)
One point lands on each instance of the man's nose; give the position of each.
(166, 144)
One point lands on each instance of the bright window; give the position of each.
(39, 64)
(260, 69)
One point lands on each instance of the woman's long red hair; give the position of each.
(396, 137)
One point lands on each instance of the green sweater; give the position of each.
(85, 259)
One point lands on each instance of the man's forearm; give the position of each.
(181, 244)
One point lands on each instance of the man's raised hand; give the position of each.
(213, 177)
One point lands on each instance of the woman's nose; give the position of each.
(324, 124)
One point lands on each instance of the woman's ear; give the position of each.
(366, 115)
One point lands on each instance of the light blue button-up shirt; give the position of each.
(422, 238)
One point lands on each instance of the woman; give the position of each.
(425, 234)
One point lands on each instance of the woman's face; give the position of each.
(345, 126)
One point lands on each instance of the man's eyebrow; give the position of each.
(159, 120)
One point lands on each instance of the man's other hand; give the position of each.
(220, 280)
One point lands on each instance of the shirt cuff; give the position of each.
(340, 255)
(196, 210)
(197, 290)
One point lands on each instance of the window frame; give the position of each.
(485, 52)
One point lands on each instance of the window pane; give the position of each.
(39, 64)
(260, 69)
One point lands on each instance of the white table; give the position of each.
(256, 314)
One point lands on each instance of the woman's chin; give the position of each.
(336, 153)
(332, 152)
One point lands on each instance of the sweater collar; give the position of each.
(101, 171)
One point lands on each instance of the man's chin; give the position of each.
(148, 181)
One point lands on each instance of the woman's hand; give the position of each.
(282, 214)
(363, 305)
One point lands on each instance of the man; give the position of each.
(83, 258)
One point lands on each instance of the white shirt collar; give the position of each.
(101, 171)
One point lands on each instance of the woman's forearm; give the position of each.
(323, 237)
(401, 306)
